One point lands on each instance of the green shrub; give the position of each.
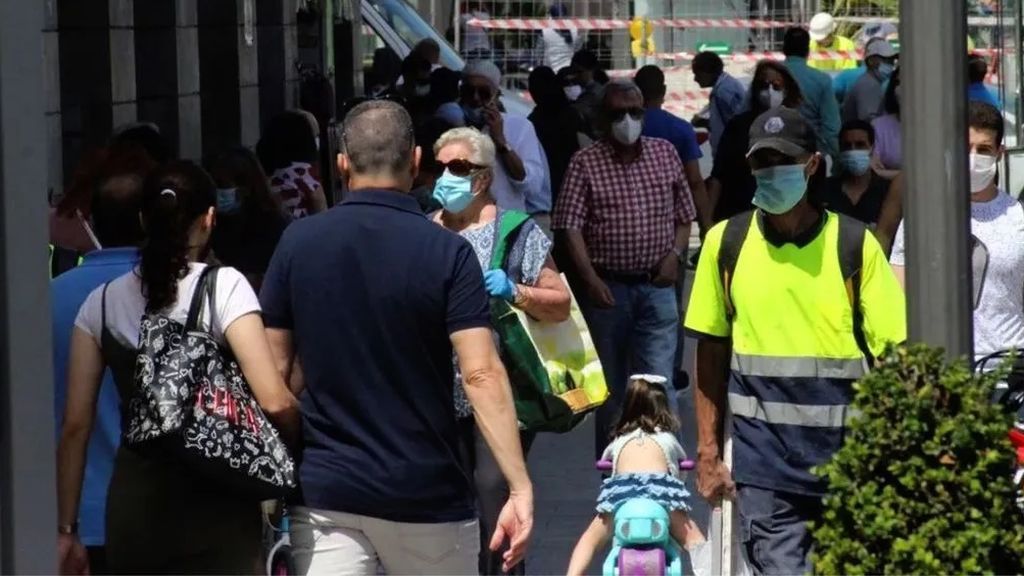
(923, 483)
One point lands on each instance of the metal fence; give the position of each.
(624, 35)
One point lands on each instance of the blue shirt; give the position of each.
(371, 291)
(842, 82)
(728, 98)
(67, 293)
(978, 92)
(819, 107)
(661, 124)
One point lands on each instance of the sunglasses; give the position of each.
(616, 115)
(483, 93)
(461, 167)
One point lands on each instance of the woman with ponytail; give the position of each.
(162, 517)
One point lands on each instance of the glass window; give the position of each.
(411, 27)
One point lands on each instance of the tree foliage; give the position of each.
(923, 482)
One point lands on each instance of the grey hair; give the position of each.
(480, 145)
(620, 86)
(378, 138)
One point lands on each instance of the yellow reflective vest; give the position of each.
(839, 44)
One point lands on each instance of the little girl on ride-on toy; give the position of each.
(644, 502)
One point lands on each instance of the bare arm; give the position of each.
(684, 530)
(701, 200)
(596, 536)
(712, 368)
(488, 391)
(248, 341)
(891, 215)
(579, 255)
(85, 375)
(282, 349)
(901, 276)
(548, 300)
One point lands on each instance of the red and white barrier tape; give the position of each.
(821, 55)
(617, 24)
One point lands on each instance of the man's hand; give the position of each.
(515, 523)
(714, 480)
(599, 293)
(667, 271)
(72, 559)
(495, 124)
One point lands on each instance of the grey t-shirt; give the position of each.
(864, 100)
(999, 314)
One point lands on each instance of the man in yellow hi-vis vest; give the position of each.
(823, 37)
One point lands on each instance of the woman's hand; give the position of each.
(499, 285)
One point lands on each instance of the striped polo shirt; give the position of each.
(794, 354)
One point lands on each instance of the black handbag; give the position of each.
(191, 400)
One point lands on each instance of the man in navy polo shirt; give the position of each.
(370, 298)
(115, 214)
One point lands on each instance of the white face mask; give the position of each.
(573, 92)
(422, 90)
(627, 130)
(771, 97)
(983, 171)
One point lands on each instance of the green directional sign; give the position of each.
(716, 47)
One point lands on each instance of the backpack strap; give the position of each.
(506, 229)
(851, 263)
(733, 237)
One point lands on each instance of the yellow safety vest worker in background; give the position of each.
(839, 44)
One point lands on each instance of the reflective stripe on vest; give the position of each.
(828, 416)
(798, 367)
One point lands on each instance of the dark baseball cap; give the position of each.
(785, 130)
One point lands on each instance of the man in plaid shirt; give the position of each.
(624, 214)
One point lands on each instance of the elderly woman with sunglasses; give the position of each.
(530, 281)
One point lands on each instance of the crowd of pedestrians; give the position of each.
(364, 329)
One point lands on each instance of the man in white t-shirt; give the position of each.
(997, 223)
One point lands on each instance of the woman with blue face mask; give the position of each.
(250, 219)
(855, 189)
(529, 281)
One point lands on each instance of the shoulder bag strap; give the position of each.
(507, 225)
(733, 237)
(851, 262)
(195, 308)
(103, 310)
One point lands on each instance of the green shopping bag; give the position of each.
(554, 370)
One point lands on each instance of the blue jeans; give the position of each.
(774, 531)
(637, 335)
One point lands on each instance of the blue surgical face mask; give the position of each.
(780, 188)
(855, 162)
(884, 70)
(227, 200)
(454, 193)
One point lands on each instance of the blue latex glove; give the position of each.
(498, 285)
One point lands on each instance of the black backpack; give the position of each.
(851, 257)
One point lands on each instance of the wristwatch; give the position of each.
(67, 529)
